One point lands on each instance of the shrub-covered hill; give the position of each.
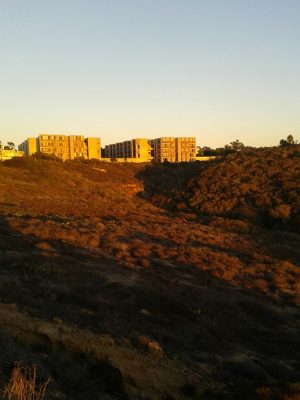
(261, 185)
(49, 186)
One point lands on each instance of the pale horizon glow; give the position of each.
(218, 70)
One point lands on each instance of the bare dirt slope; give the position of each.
(115, 297)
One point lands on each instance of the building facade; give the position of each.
(29, 146)
(93, 148)
(7, 154)
(185, 149)
(174, 149)
(163, 149)
(63, 146)
(135, 150)
(58, 145)
(171, 149)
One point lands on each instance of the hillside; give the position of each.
(119, 282)
(261, 186)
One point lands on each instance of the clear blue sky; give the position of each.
(215, 69)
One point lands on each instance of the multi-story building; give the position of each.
(93, 148)
(65, 147)
(58, 145)
(163, 149)
(29, 146)
(185, 149)
(174, 149)
(171, 149)
(135, 150)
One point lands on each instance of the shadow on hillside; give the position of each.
(260, 187)
(238, 333)
(167, 178)
(30, 280)
(78, 376)
(166, 186)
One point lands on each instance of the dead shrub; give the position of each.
(23, 384)
(150, 345)
(140, 248)
(287, 267)
(231, 225)
(145, 263)
(261, 285)
(44, 246)
(281, 211)
(159, 251)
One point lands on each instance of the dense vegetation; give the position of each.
(261, 186)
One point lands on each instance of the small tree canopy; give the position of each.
(236, 145)
(10, 145)
(199, 151)
(289, 141)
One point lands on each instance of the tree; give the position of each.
(283, 143)
(236, 145)
(226, 149)
(289, 141)
(221, 151)
(11, 145)
(199, 151)
(208, 152)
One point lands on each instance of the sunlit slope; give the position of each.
(42, 187)
(261, 186)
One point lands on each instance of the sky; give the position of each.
(219, 70)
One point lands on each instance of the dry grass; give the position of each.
(23, 384)
(80, 247)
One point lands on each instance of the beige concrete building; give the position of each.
(77, 147)
(63, 146)
(185, 149)
(57, 145)
(135, 150)
(29, 146)
(172, 149)
(163, 149)
(6, 154)
(93, 148)
(205, 158)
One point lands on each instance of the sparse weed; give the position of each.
(23, 384)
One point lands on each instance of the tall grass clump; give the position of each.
(23, 384)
